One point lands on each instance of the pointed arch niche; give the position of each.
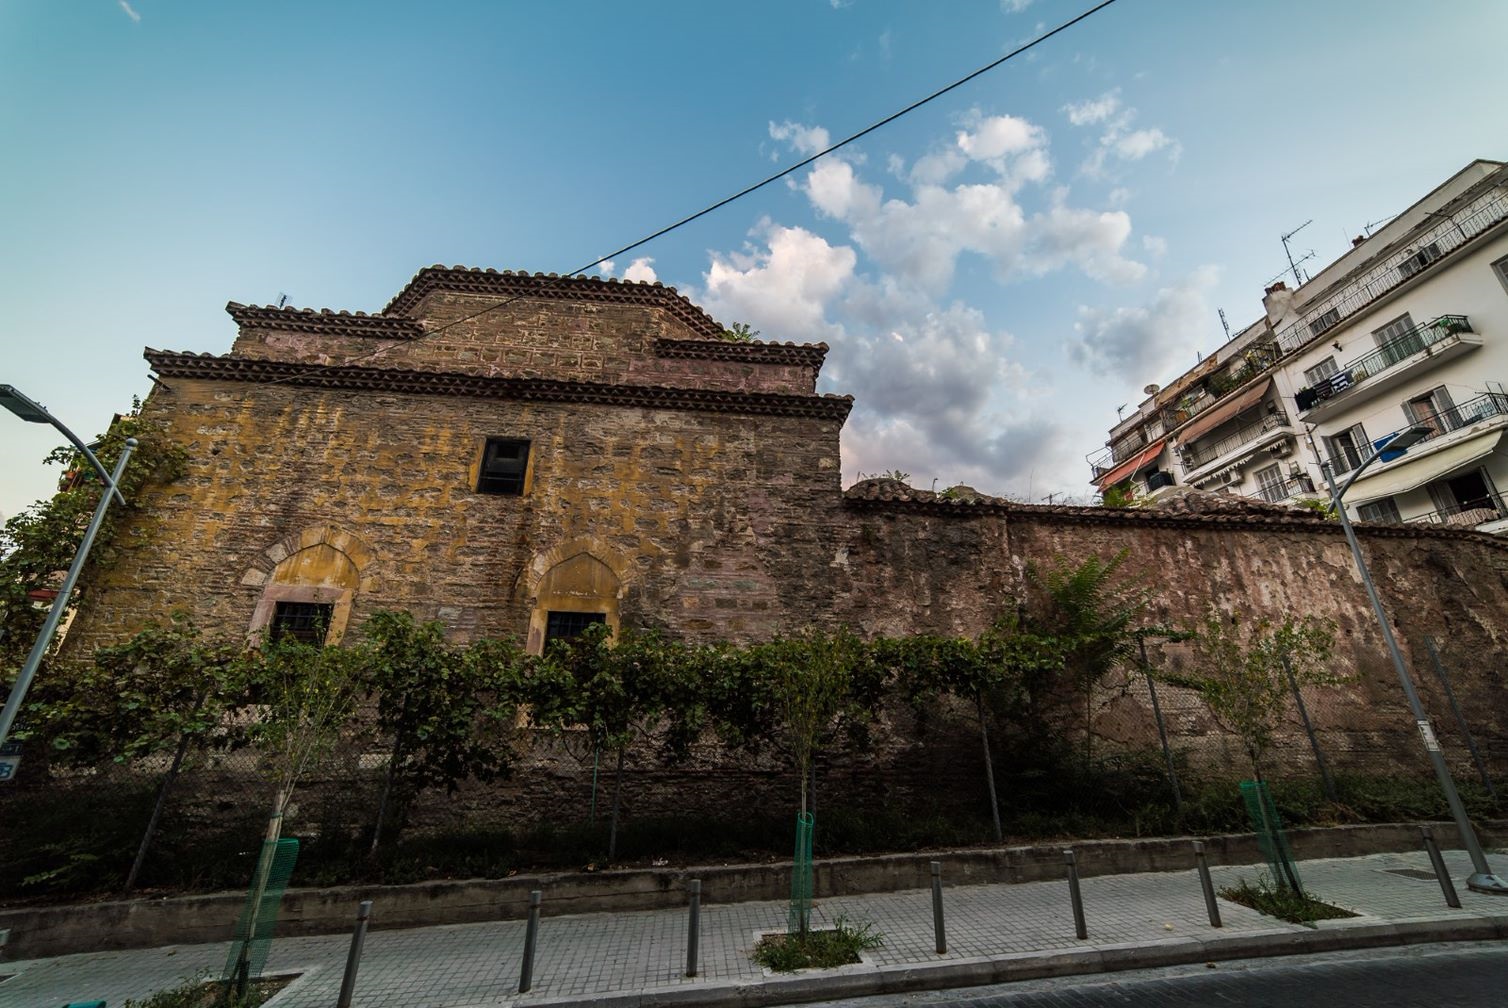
(578, 576)
(322, 565)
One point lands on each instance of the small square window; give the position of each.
(561, 625)
(1385, 510)
(304, 621)
(504, 461)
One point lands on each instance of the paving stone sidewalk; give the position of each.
(608, 957)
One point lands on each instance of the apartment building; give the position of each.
(1408, 328)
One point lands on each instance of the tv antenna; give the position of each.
(1298, 278)
(1120, 410)
(1224, 324)
(282, 299)
(1367, 228)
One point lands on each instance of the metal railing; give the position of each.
(1468, 513)
(1472, 411)
(1194, 457)
(1278, 493)
(1394, 351)
(1448, 234)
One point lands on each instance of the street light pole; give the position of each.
(1482, 879)
(28, 409)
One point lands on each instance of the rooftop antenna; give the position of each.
(1120, 409)
(1298, 277)
(282, 299)
(1367, 228)
(1224, 324)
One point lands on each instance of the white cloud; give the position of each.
(1094, 110)
(785, 286)
(1014, 6)
(605, 267)
(1154, 245)
(1137, 145)
(806, 140)
(997, 136)
(1142, 343)
(130, 11)
(640, 271)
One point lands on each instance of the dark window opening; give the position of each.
(304, 621)
(565, 625)
(504, 461)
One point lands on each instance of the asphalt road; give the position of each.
(1468, 975)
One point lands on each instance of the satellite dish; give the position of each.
(1152, 389)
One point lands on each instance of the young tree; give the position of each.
(1238, 670)
(165, 689)
(40, 541)
(1094, 616)
(449, 711)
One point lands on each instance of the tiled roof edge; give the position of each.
(808, 354)
(508, 284)
(1070, 515)
(168, 364)
(307, 320)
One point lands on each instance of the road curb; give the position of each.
(867, 980)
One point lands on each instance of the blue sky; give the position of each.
(996, 272)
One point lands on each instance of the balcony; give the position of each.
(1458, 417)
(1490, 507)
(1392, 363)
(1358, 291)
(1201, 453)
(1286, 490)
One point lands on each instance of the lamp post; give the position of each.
(1482, 879)
(29, 410)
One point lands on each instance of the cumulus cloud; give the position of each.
(806, 140)
(641, 270)
(1118, 139)
(130, 11)
(785, 285)
(1146, 340)
(1094, 110)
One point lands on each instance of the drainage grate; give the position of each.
(1413, 873)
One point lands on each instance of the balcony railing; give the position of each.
(1394, 351)
(1277, 493)
(1472, 411)
(1196, 454)
(1467, 514)
(1256, 359)
(1430, 246)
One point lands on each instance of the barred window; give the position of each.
(563, 625)
(305, 621)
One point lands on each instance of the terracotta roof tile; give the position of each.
(1222, 512)
(323, 321)
(257, 371)
(507, 283)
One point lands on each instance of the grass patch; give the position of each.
(839, 946)
(1282, 902)
(201, 993)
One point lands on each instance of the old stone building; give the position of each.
(524, 454)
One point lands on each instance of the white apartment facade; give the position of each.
(1408, 328)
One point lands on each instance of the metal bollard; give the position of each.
(1446, 885)
(1079, 928)
(937, 910)
(531, 934)
(692, 929)
(353, 958)
(1210, 903)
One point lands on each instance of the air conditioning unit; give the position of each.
(1232, 478)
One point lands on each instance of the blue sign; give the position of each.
(10, 760)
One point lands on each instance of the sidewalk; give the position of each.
(995, 933)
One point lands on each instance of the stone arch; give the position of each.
(579, 575)
(322, 564)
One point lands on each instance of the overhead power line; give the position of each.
(960, 82)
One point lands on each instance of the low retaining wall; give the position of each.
(41, 932)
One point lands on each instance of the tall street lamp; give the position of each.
(33, 412)
(1482, 879)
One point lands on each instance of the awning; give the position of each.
(1412, 473)
(1210, 419)
(1132, 464)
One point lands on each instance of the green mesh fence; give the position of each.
(253, 934)
(800, 920)
(1270, 835)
